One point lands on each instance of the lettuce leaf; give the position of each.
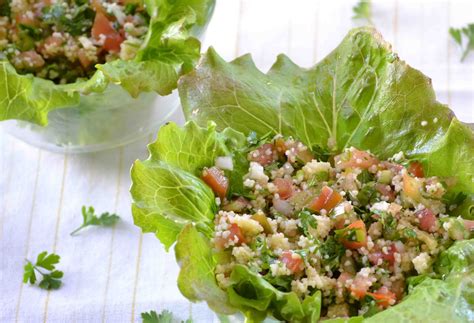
(360, 95)
(171, 201)
(248, 292)
(166, 189)
(169, 50)
(447, 300)
(257, 298)
(458, 258)
(166, 199)
(196, 279)
(30, 98)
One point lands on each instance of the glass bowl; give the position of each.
(100, 121)
(103, 120)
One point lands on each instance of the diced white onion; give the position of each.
(225, 163)
(282, 206)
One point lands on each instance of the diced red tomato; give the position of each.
(327, 200)
(358, 293)
(30, 60)
(26, 19)
(427, 219)
(344, 277)
(217, 181)
(293, 261)
(385, 190)
(102, 26)
(374, 257)
(391, 166)
(284, 187)
(416, 169)
(112, 42)
(264, 155)
(236, 232)
(389, 257)
(359, 287)
(384, 297)
(54, 41)
(355, 159)
(83, 59)
(358, 229)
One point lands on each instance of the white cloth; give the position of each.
(112, 275)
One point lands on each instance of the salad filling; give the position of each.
(62, 40)
(354, 227)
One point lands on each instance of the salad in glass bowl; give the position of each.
(85, 75)
(343, 192)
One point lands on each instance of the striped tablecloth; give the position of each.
(114, 274)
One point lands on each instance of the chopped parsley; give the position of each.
(307, 221)
(363, 10)
(367, 194)
(331, 252)
(90, 218)
(45, 266)
(464, 37)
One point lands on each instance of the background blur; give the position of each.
(308, 30)
(112, 275)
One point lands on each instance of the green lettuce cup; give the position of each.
(123, 100)
(360, 95)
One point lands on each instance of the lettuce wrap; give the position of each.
(360, 95)
(169, 50)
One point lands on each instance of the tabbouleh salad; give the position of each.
(62, 40)
(352, 226)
